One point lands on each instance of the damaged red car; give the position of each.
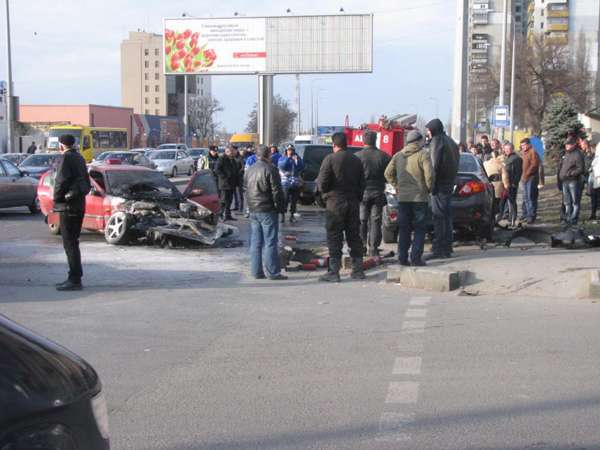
(132, 203)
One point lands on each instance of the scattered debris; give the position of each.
(574, 238)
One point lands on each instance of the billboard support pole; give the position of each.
(186, 127)
(265, 109)
(9, 87)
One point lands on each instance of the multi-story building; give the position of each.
(145, 88)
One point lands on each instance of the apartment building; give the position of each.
(145, 88)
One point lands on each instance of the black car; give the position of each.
(472, 202)
(50, 398)
(36, 165)
(313, 156)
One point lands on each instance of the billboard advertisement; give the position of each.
(214, 46)
(341, 43)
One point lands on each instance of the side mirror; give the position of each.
(93, 191)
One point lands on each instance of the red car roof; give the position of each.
(120, 168)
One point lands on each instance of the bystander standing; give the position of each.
(529, 181)
(291, 167)
(571, 171)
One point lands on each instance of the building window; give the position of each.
(157, 100)
(202, 93)
(146, 76)
(146, 100)
(146, 52)
(155, 63)
(147, 111)
(156, 88)
(156, 76)
(201, 80)
(542, 25)
(157, 112)
(146, 88)
(155, 52)
(146, 64)
(517, 9)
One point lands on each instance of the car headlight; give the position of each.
(101, 415)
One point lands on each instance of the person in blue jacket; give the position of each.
(275, 155)
(291, 167)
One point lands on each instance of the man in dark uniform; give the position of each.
(227, 169)
(374, 163)
(341, 181)
(71, 185)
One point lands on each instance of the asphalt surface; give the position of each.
(193, 354)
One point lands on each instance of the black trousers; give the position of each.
(226, 199)
(342, 219)
(441, 209)
(371, 210)
(508, 204)
(291, 195)
(70, 229)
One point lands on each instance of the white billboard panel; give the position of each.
(269, 45)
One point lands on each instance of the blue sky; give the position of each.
(67, 52)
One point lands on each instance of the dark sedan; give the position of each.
(51, 398)
(36, 165)
(15, 158)
(472, 202)
(17, 189)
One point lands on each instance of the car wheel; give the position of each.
(54, 228)
(34, 208)
(487, 229)
(115, 232)
(390, 236)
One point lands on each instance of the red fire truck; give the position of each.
(390, 132)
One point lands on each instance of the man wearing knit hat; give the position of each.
(571, 170)
(409, 172)
(444, 163)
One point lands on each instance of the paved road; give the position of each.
(195, 355)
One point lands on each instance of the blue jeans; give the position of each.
(264, 230)
(530, 198)
(443, 234)
(571, 198)
(412, 216)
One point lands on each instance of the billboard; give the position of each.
(269, 45)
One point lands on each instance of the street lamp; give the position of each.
(9, 86)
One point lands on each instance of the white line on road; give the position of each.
(413, 326)
(416, 313)
(392, 426)
(404, 392)
(407, 366)
(419, 301)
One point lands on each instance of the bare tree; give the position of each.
(283, 120)
(202, 117)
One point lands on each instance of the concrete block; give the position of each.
(594, 284)
(429, 278)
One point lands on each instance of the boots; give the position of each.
(333, 274)
(358, 272)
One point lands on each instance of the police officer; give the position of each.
(341, 182)
(374, 163)
(71, 185)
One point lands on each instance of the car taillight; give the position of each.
(470, 188)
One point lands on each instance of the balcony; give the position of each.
(557, 27)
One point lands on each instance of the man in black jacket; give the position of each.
(341, 181)
(264, 196)
(512, 173)
(570, 174)
(444, 161)
(227, 169)
(71, 185)
(374, 163)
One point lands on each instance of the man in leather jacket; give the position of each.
(71, 185)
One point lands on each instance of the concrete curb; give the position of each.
(428, 278)
(594, 284)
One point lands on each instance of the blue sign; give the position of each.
(501, 116)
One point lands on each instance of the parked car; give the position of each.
(131, 158)
(173, 162)
(472, 202)
(132, 203)
(17, 189)
(313, 156)
(144, 150)
(51, 398)
(38, 164)
(198, 154)
(173, 147)
(15, 158)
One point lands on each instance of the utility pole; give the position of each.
(512, 82)
(9, 85)
(460, 104)
(265, 109)
(501, 100)
(186, 126)
(298, 123)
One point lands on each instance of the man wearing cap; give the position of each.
(227, 169)
(444, 164)
(264, 197)
(571, 170)
(529, 180)
(374, 162)
(71, 185)
(341, 181)
(409, 172)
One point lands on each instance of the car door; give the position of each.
(94, 202)
(202, 189)
(181, 167)
(6, 189)
(24, 188)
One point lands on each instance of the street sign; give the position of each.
(501, 116)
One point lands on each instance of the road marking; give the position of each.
(403, 392)
(413, 326)
(392, 426)
(419, 301)
(416, 313)
(407, 366)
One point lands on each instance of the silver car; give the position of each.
(16, 188)
(172, 162)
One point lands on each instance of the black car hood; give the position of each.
(37, 374)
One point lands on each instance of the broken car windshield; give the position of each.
(123, 183)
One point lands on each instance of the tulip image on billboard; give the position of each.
(213, 46)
